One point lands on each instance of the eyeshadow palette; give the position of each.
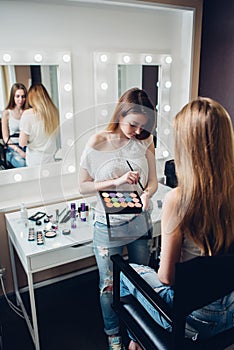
(121, 202)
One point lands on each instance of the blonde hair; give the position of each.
(204, 160)
(43, 105)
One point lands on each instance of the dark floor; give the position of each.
(69, 317)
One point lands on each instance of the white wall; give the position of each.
(82, 30)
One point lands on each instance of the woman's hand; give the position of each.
(131, 177)
(145, 200)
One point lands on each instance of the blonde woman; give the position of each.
(10, 125)
(198, 215)
(39, 127)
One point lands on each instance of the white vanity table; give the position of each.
(55, 251)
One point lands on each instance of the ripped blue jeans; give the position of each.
(138, 252)
(201, 323)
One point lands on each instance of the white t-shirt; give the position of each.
(105, 165)
(41, 147)
(13, 125)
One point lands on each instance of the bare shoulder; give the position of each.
(171, 197)
(97, 140)
(5, 114)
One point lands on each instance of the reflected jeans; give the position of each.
(201, 323)
(138, 252)
(15, 159)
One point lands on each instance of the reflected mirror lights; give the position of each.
(106, 89)
(63, 62)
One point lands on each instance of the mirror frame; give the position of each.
(62, 60)
(106, 89)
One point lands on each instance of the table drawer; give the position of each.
(61, 256)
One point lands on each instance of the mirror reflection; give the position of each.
(117, 71)
(15, 79)
(141, 76)
(53, 70)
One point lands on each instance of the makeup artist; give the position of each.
(121, 158)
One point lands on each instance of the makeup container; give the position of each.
(73, 215)
(24, 214)
(82, 212)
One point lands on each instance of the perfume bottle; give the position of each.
(73, 215)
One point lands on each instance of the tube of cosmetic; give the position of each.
(82, 212)
(73, 215)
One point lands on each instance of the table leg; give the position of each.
(33, 310)
(33, 326)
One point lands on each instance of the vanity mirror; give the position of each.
(55, 74)
(116, 72)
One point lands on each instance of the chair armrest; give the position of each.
(120, 265)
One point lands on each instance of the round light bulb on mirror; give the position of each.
(67, 87)
(148, 59)
(68, 115)
(66, 58)
(167, 108)
(165, 154)
(37, 57)
(167, 84)
(45, 173)
(166, 131)
(71, 169)
(126, 59)
(168, 59)
(104, 112)
(103, 58)
(7, 57)
(104, 86)
(18, 177)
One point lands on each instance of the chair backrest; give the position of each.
(199, 282)
(202, 280)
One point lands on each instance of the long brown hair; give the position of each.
(43, 105)
(14, 88)
(133, 101)
(204, 159)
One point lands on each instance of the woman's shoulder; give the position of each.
(6, 114)
(171, 198)
(98, 139)
(28, 115)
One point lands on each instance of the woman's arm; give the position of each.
(6, 134)
(87, 185)
(171, 239)
(23, 139)
(5, 128)
(152, 183)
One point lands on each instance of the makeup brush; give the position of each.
(140, 184)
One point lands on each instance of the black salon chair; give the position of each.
(4, 164)
(170, 173)
(198, 282)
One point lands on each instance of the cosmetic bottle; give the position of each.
(82, 212)
(73, 215)
(24, 214)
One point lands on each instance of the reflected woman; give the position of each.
(11, 116)
(39, 127)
